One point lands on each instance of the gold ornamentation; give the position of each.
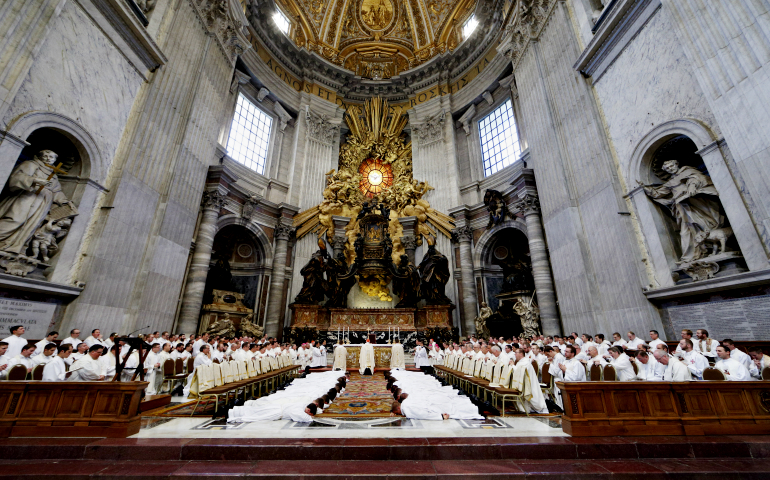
(377, 14)
(376, 135)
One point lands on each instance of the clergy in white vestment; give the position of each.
(73, 339)
(633, 341)
(555, 358)
(705, 345)
(420, 356)
(730, 367)
(624, 371)
(760, 362)
(151, 369)
(109, 362)
(673, 369)
(737, 354)
(572, 369)
(693, 359)
(88, 368)
(40, 346)
(77, 353)
(296, 412)
(536, 355)
(49, 352)
(202, 358)
(56, 369)
(24, 358)
(15, 341)
(646, 365)
(94, 339)
(654, 341)
(200, 343)
(366, 359)
(397, 355)
(525, 380)
(340, 358)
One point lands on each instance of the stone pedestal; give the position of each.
(309, 316)
(409, 238)
(722, 265)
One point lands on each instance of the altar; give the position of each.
(382, 354)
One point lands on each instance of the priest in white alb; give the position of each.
(366, 359)
(340, 358)
(730, 367)
(15, 342)
(420, 356)
(397, 355)
(88, 368)
(56, 369)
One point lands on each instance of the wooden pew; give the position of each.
(70, 409)
(594, 409)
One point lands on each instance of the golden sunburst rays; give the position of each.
(384, 124)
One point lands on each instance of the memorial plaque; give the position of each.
(35, 316)
(738, 319)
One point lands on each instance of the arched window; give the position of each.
(500, 144)
(249, 135)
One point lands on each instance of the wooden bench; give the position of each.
(665, 408)
(70, 409)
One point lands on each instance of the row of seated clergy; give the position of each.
(208, 374)
(518, 373)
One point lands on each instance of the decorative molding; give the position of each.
(466, 118)
(409, 242)
(462, 234)
(249, 206)
(529, 23)
(284, 232)
(319, 128)
(528, 205)
(213, 200)
(283, 116)
(218, 19)
(488, 97)
(263, 92)
(239, 78)
(431, 130)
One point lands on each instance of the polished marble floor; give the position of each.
(396, 427)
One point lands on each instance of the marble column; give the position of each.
(283, 233)
(212, 203)
(541, 266)
(409, 238)
(464, 236)
(340, 239)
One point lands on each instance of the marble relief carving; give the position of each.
(319, 128)
(35, 215)
(431, 130)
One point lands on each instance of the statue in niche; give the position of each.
(517, 274)
(249, 328)
(694, 203)
(434, 275)
(35, 197)
(408, 286)
(482, 331)
(222, 327)
(496, 206)
(529, 313)
(45, 241)
(337, 287)
(314, 285)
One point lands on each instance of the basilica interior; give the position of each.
(392, 172)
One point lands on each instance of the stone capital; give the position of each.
(462, 234)
(213, 200)
(528, 205)
(284, 232)
(409, 242)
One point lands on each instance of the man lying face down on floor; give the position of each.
(299, 402)
(419, 396)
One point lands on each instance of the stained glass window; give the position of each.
(376, 176)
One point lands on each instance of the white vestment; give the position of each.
(86, 370)
(55, 370)
(366, 358)
(15, 344)
(340, 358)
(623, 368)
(733, 370)
(676, 371)
(397, 356)
(421, 357)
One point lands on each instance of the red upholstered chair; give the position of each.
(190, 365)
(636, 368)
(17, 372)
(609, 374)
(766, 373)
(713, 374)
(216, 360)
(37, 372)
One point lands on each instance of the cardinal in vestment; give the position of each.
(340, 358)
(366, 359)
(397, 356)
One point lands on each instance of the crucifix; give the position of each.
(54, 170)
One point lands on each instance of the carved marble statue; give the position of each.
(250, 329)
(482, 331)
(34, 189)
(338, 288)
(529, 313)
(314, 284)
(45, 240)
(496, 206)
(408, 288)
(517, 274)
(434, 275)
(222, 327)
(694, 202)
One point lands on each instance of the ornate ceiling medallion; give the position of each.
(377, 17)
